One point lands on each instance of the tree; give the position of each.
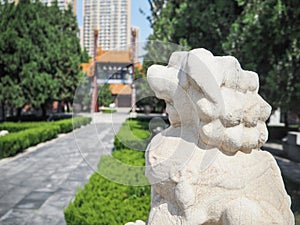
(263, 35)
(105, 96)
(265, 38)
(69, 51)
(193, 23)
(10, 91)
(181, 25)
(40, 54)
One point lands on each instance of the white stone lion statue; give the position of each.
(207, 167)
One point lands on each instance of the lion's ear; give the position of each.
(198, 65)
(176, 59)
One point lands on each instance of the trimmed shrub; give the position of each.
(108, 110)
(125, 167)
(13, 143)
(18, 126)
(24, 135)
(66, 125)
(105, 202)
(133, 134)
(79, 121)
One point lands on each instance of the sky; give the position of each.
(137, 18)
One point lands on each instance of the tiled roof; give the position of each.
(120, 89)
(113, 56)
(106, 56)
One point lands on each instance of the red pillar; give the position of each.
(95, 107)
(133, 49)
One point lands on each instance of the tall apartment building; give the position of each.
(112, 19)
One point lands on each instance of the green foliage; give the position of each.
(263, 35)
(133, 134)
(105, 96)
(13, 143)
(83, 97)
(108, 110)
(15, 127)
(194, 24)
(265, 38)
(125, 166)
(104, 202)
(24, 135)
(79, 121)
(85, 56)
(40, 54)
(68, 125)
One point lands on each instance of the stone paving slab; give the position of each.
(36, 186)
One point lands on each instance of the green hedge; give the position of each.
(125, 167)
(24, 135)
(18, 126)
(133, 134)
(68, 125)
(108, 110)
(13, 143)
(105, 202)
(65, 125)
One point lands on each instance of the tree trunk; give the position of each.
(3, 111)
(286, 122)
(19, 110)
(62, 106)
(68, 106)
(11, 111)
(44, 111)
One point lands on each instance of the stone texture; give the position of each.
(207, 167)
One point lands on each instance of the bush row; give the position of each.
(133, 134)
(106, 201)
(68, 125)
(65, 125)
(24, 135)
(18, 126)
(14, 143)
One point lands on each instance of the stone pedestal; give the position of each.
(292, 146)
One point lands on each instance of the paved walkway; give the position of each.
(37, 185)
(288, 167)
